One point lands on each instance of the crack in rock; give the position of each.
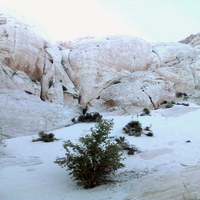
(150, 99)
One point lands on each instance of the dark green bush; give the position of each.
(146, 110)
(149, 134)
(125, 146)
(88, 117)
(132, 128)
(45, 137)
(94, 157)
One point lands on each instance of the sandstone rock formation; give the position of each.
(192, 40)
(31, 72)
(43, 85)
(22, 49)
(96, 63)
(147, 74)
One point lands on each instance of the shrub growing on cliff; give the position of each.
(88, 117)
(94, 157)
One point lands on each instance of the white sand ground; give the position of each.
(167, 162)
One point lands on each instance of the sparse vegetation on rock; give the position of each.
(134, 128)
(88, 117)
(95, 156)
(146, 111)
(45, 137)
(131, 149)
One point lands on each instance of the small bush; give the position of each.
(94, 157)
(138, 134)
(149, 134)
(146, 110)
(88, 117)
(45, 137)
(179, 94)
(132, 128)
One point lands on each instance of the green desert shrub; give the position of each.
(91, 161)
(125, 146)
(88, 117)
(45, 137)
(146, 111)
(133, 128)
(149, 134)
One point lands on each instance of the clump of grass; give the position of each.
(134, 128)
(88, 117)
(131, 149)
(149, 134)
(45, 137)
(146, 111)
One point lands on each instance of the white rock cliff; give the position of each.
(43, 85)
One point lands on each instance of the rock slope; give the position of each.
(121, 74)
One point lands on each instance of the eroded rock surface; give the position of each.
(121, 74)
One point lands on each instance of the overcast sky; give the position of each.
(152, 20)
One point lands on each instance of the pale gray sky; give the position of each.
(152, 20)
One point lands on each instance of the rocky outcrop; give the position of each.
(125, 73)
(24, 114)
(94, 64)
(22, 49)
(192, 40)
(44, 84)
(32, 76)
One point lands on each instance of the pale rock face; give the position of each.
(93, 64)
(170, 54)
(192, 40)
(55, 81)
(178, 72)
(24, 114)
(22, 49)
(13, 80)
(31, 70)
(118, 74)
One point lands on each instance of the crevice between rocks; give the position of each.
(150, 99)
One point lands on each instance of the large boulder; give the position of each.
(94, 64)
(147, 74)
(22, 112)
(35, 91)
(23, 49)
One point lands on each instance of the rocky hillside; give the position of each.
(192, 40)
(43, 85)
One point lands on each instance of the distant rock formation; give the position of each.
(192, 40)
(43, 85)
(125, 73)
